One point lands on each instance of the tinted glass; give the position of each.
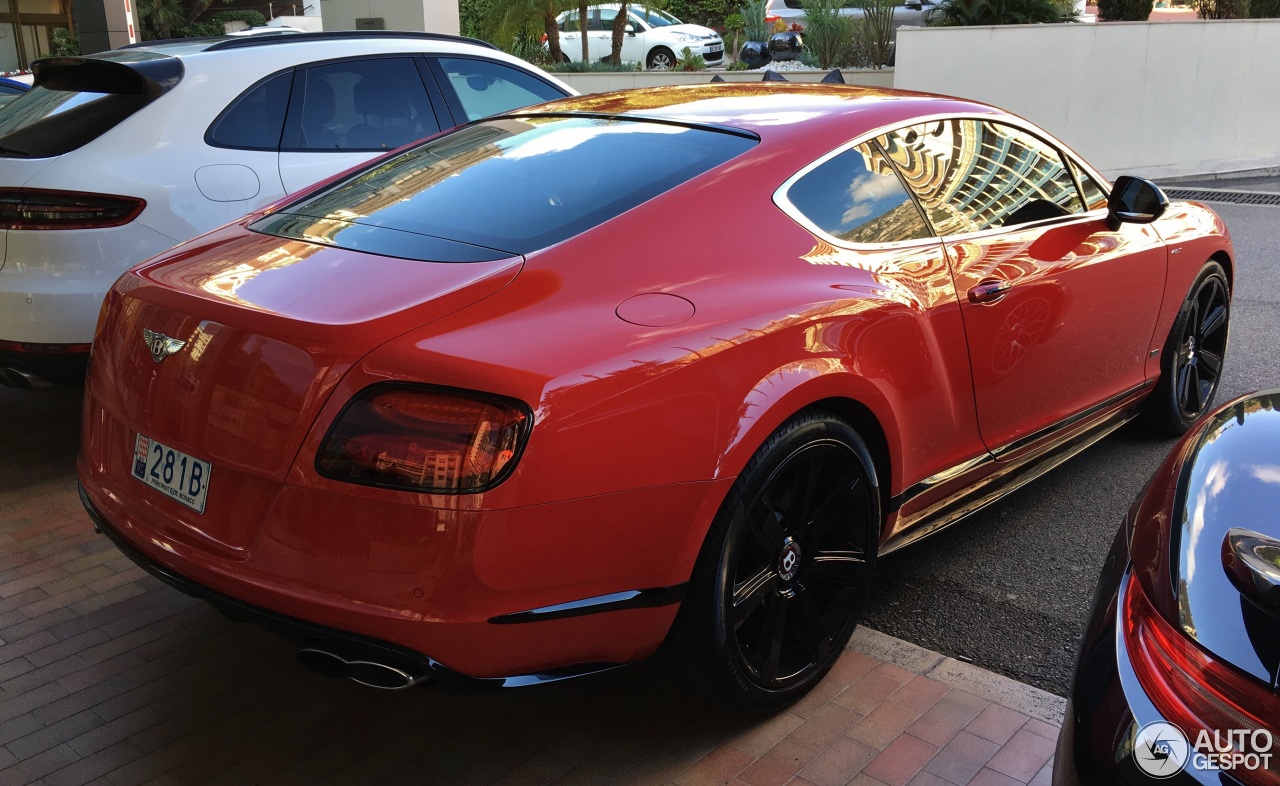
(972, 175)
(516, 185)
(375, 104)
(857, 197)
(569, 24)
(487, 88)
(257, 118)
(78, 100)
(1094, 197)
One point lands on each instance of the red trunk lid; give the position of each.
(269, 326)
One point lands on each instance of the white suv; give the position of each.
(652, 37)
(113, 158)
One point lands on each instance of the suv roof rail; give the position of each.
(329, 35)
(158, 41)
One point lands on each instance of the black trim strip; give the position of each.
(349, 646)
(1048, 431)
(898, 500)
(1006, 480)
(615, 601)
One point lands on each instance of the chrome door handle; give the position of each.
(989, 291)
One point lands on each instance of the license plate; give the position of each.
(715, 50)
(172, 472)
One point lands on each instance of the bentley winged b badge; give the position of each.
(160, 345)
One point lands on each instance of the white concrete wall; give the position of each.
(432, 16)
(1165, 98)
(604, 82)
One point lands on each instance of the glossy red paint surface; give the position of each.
(657, 352)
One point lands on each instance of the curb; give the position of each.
(996, 688)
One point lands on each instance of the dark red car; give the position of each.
(1179, 663)
(530, 398)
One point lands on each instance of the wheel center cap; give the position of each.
(789, 560)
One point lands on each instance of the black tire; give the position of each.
(1192, 358)
(661, 59)
(564, 58)
(795, 544)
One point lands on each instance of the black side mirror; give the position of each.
(1135, 201)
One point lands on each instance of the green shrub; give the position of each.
(1222, 9)
(1264, 9)
(700, 12)
(247, 15)
(1124, 10)
(579, 67)
(753, 24)
(876, 29)
(952, 13)
(688, 61)
(473, 16)
(64, 43)
(827, 34)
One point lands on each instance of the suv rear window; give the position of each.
(76, 100)
(511, 185)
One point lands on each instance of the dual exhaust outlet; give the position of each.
(22, 380)
(366, 671)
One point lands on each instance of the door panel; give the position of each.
(1057, 308)
(1070, 330)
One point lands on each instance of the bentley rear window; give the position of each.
(511, 185)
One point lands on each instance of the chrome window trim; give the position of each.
(783, 203)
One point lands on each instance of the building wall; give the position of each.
(433, 16)
(1191, 96)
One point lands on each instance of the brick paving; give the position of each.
(108, 676)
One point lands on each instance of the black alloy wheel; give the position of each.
(1192, 363)
(780, 584)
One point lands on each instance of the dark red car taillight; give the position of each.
(36, 208)
(1190, 688)
(425, 439)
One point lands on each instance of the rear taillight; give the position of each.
(43, 349)
(1191, 689)
(36, 208)
(425, 439)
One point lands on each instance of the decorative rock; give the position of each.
(755, 54)
(785, 45)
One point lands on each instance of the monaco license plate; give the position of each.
(172, 472)
(714, 50)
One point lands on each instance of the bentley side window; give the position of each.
(857, 197)
(972, 175)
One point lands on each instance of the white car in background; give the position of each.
(112, 158)
(652, 37)
(910, 13)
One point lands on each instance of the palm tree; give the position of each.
(508, 18)
(582, 27)
(619, 27)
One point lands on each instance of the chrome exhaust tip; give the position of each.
(365, 672)
(23, 380)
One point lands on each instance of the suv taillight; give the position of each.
(38, 208)
(425, 439)
(1189, 687)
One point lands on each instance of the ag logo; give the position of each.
(1161, 750)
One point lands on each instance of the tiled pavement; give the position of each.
(108, 676)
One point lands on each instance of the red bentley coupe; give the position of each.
(664, 367)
